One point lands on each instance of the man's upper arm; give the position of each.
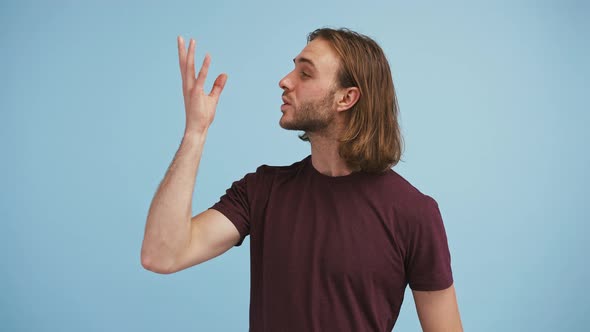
(212, 234)
(438, 310)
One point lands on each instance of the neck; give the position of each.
(325, 157)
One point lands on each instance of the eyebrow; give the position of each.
(304, 60)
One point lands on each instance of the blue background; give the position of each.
(493, 111)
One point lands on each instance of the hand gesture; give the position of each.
(199, 107)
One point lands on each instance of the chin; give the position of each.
(285, 124)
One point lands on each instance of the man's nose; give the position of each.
(285, 83)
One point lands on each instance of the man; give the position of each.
(335, 237)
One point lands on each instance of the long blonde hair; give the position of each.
(372, 140)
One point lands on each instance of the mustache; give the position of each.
(285, 98)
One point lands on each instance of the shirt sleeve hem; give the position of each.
(233, 218)
(431, 287)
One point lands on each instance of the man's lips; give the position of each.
(286, 103)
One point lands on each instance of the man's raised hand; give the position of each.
(199, 106)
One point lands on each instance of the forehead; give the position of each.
(321, 54)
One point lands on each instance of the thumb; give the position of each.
(218, 85)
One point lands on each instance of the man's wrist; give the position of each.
(195, 137)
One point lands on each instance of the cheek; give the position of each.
(313, 92)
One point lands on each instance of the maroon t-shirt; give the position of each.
(335, 253)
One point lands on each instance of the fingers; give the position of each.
(186, 61)
(203, 72)
(181, 56)
(189, 74)
(218, 85)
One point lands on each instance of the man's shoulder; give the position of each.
(398, 183)
(402, 193)
(293, 168)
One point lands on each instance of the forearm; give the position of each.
(167, 230)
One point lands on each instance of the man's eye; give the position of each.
(304, 74)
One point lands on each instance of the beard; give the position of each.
(311, 116)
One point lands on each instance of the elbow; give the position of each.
(154, 265)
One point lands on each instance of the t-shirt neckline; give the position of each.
(323, 177)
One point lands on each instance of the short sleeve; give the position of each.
(235, 204)
(428, 260)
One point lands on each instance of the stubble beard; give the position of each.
(312, 116)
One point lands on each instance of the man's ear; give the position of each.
(347, 98)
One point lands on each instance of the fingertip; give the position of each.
(221, 79)
(207, 59)
(224, 79)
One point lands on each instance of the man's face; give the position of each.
(309, 90)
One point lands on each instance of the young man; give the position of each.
(334, 238)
